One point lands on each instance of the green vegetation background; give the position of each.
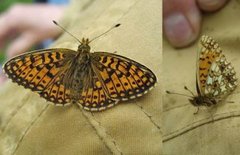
(4, 5)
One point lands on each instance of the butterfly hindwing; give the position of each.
(55, 91)
(94, 97)
(222, 78)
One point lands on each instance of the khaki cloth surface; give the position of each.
(213, 131)
(28, 125)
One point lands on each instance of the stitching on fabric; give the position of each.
(150, 117)
(128, 10)
(175, 107)
(14, 112)
(107, 140)
(192, 126)
(87, 5)
(29, 127)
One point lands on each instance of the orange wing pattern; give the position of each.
(55, 92)
(40, 71)
(94, 98)
(210, 51)
(121, 77)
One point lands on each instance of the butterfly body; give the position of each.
(202, 101)
(94, 80)
(76, 75)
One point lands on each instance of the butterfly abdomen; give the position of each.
(78, 74)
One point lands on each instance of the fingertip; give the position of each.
(12, 50)
(20, 45)
(181, 23)
(178, 30)
(211, 5)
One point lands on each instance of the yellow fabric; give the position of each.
(28, 125)
(213, 130)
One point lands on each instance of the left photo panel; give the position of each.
(81, 77)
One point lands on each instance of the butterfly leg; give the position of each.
(211, 111)
(212, 118)
(230, 101)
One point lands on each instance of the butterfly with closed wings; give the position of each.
(215, 78)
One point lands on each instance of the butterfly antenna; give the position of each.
(186, 88)
(168, 92)
(66, 31)
(115, 26)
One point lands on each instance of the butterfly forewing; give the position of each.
(40, 71)
(122, 77)
(209, 52)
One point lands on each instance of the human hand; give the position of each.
(182, 19)
(26, 25)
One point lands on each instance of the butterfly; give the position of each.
(95, 81)
(215, 76)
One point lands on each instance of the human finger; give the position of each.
(181, 22)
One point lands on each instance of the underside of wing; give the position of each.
(209, 51)
(216, 76)
(221, 78)
(121, 77)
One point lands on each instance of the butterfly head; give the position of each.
(84, 46)
(193, 99)
(196, 100)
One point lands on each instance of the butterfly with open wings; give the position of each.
(95, 81)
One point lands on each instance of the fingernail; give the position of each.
(178, 30)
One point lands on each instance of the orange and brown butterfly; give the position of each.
(95, 81)
(215, 78)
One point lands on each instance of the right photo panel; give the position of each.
(201, 67)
